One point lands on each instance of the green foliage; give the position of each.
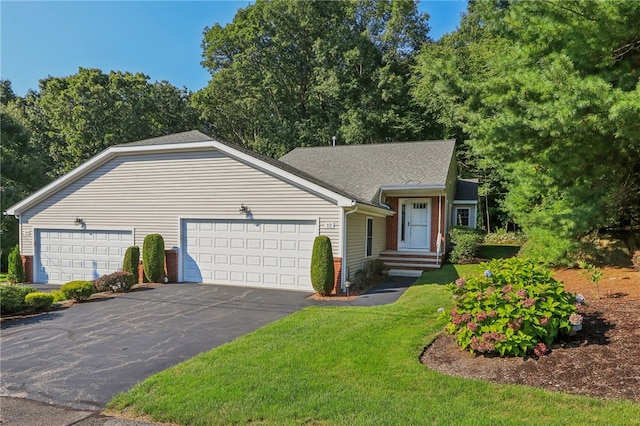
(295, 73)
(466, 242)
(548, 247)
(501, 236)
(545, 114)
(58, 296)
(78, 290)
(131, 260)
(40, 301)
(107, 109)
(12, 298)
(593, 273)
(15, 273)
(322, 272)
(117, 282)
(153, 257)
(516, 307)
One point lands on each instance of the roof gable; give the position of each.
(361, 170)
(192, 140)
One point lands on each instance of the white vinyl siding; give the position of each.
(356, 240)
(150, 193)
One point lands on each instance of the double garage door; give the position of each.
(67, 255)
(265, 253)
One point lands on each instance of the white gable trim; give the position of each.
(118, 150)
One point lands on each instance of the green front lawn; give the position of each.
(353, 366)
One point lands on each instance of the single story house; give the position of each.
(231, 216)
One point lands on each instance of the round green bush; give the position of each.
(131, 260)
(40, 301)
(153, 257)
(15, 272)
(466, 242)
(12, 298)
(514, 308)
(78, 290)
(322, 272)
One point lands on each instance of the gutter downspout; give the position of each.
(343, 278)
(439, 229)
(380, 200)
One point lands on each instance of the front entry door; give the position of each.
(418, 223)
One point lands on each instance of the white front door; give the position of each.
(416, 227)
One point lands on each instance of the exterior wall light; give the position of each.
(80, 222)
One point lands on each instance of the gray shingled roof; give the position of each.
(466, 189)
(360, 170)
(184, 137)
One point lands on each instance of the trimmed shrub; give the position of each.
(466, 242)
(12, 298)
(153, 257)
(58, 296)
(549, 248)
(15, 272)
(117, 282)
(322, 273)
(78, 290)
(38, 300)
(514, 308)
(635, 260)
(131, 260)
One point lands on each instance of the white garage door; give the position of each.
(67, 255)
(274, 254)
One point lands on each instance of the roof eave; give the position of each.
(117, 150)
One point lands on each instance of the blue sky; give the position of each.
(159, 38)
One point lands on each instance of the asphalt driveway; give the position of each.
(82, 356)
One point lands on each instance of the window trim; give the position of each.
(455, 214)
(368, 239)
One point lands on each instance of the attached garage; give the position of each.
(259, 253)
(66, 255)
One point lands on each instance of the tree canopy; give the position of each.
(286, 74)
(548, 95)
(73, 118)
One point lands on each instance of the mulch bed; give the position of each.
(602, 360)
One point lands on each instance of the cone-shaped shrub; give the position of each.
(131, 261)
(15, 272)
(153, 257)
(322, 273)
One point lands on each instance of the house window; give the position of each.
(369, 242)
(402, 222)
(462, 216)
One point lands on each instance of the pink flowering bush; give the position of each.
(514, 308)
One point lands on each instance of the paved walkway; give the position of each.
(63, 367)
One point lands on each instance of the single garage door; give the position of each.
(67, 255)
(266, 253)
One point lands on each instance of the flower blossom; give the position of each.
(460, 282)
(580, 299)
(529, 303)
(488, 274)
(522, 293)
(440, 309)
(540, 349)
(544, 320)
(575, 319)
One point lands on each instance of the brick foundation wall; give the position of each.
(434, 222)
(337, 274)
(392, 225)
(171, 265)
(27, 263)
